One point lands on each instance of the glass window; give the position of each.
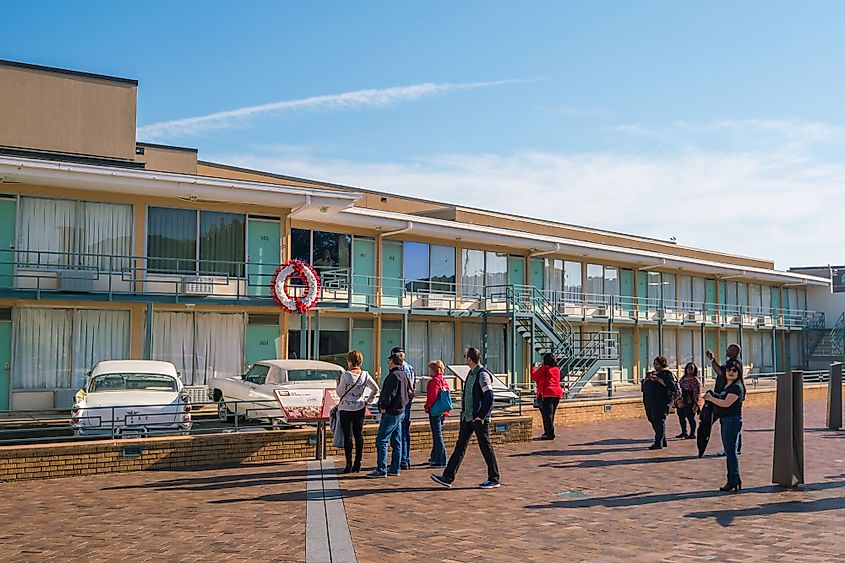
(654, 285)
(698, 290)
(300, 245)
(442, 269)
(730, 298)
(496, 348)
(441, 342)
(331, 250)
(685, 290)
(55, 232)
(257, 374)
(742, 294)
(766, 299)
(472, 272)
(415, 266)
(686, 347)
(595, 279)
(132, 382)
(222, 237)
(313, 374)
(572, 281)
(553, 274)
(670, 347)
(172, 239)
(470, 336)
(611, 280)
(416, 350)
(669, 295)
(496, 269)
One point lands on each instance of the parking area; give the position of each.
(596, 493)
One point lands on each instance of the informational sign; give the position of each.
(300, 405)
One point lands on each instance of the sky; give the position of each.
(720, 124)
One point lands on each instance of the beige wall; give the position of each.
(168, 159)
(63, 112)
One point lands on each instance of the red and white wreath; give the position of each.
(280, 288)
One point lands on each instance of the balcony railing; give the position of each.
(110, 277)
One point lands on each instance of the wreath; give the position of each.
(279, 287)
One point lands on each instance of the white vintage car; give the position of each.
(131, 398)
(251, 395)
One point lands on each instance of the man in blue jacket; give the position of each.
(405, 432)
(476, 406)
(391, 404)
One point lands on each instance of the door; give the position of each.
(262, 343)
(642, 295)
(710, 299)
(364, 271)
(362, 340)
(7, 243)
(626, 351)
(626, 293)
(536, 273)
(5, 363)
(516, 270)
(263, 255)
(390, 339)
(391, 273)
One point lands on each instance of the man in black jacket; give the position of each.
(476, 406)
(658, 388)
(391, 405)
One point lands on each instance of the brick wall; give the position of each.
(184, 452)
(588, 411)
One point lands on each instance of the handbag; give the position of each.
(442, 404)
(338, 437)
(538, 402)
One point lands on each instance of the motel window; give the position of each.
(611, 280)
(553, 274)
(595, 279)
(63, 233)
(572, 285)
(742, 295)
(472, 272)
(496, 269)
(55, 348)
(766, 299)
(200, 345)
(698, 291)
(334, 341)
(321, 249)
(685, 291)
(428, 267)
(431, 340)
(192, 241)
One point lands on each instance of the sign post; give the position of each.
(309, 405)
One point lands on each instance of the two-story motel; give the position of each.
(113, 248)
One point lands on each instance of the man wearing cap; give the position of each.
(405, 434)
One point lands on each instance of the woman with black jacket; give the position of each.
(729, 411)
(658, 389)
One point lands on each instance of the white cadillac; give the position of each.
(131, 398)
(251, 395)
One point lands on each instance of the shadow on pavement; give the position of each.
(727, 517)
(616, 442)
(229, 481)
(592, 463)
(334, 494)
(588, 451)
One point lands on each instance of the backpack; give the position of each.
(674, 391)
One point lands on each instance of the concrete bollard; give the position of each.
(788, 459)
(834, 397)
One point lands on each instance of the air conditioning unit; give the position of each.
(197, 285)
(600, 311)
(77, 280)
(691, 316)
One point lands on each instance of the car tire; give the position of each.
(223, 412)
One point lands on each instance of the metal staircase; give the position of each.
(814, 333)
(580, 356)
(837, 338)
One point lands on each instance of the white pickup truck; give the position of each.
(251, 395)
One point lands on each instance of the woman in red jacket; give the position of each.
(547, 378)
(435, 385)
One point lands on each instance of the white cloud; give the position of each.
(781, 206)
(348, 100)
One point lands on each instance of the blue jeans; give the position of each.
(438, 448)
(406, 436)
(731, 427)
(389, 428)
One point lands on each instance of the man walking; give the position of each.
(391, 405)
(476, 406)
(408, 369)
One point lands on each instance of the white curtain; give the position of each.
(496, 351)
(685, 347)
(98, 335)
(173, 341)
(653, 347)
(470, 336)
(42, 348)
(219, 345)
(670, 347)
(106, 230)
(441, 342)
(416, 351)
(768, 360)
(49, 226)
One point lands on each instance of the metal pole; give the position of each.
(303, 337)
(834, 397)
(788, 459)
(148, 345)
(316, 334)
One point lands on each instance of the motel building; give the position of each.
(112, 248)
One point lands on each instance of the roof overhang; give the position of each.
(170, 185)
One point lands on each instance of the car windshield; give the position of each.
(312, 374)
(132, 382)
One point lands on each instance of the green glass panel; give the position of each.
(626, 349)
(262, 343)
(364, 271)
(535, 273)
(7, 240)
(5, 363)
(391, 272)
(362, 340)
(626, 294)
(516, 270)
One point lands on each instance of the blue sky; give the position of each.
(647, 117)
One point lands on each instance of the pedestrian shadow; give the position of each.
(332, 494)
(594, 463)
(575, 452)
(640, 499)
(616, 442)
(727, 517)
(228, 481)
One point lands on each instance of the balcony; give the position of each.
(39, 275)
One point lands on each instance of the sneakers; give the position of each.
(375, 474)
(441, 481)
(393, 473)
(720, 453)
(436, 466)
(681, 435)
(404, 466)
(655, 447)
(488, 484)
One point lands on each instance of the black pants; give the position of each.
(657, 417)
(465, 433)
(352, 423)
(547, 410)
(685, 414)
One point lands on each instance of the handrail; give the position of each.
(837, 337)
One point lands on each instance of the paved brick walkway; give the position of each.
(594, 494)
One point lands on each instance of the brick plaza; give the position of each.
(595, 494)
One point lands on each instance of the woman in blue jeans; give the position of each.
(729, 412)
(435, 385)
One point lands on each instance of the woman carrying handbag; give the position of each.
(352, 389)
(549, 392)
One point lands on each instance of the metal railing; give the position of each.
(837, 337)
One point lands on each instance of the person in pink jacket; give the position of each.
(435, 385)
(547, 378)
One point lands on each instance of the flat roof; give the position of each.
(77, 73)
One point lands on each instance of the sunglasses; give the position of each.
(735, 370)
